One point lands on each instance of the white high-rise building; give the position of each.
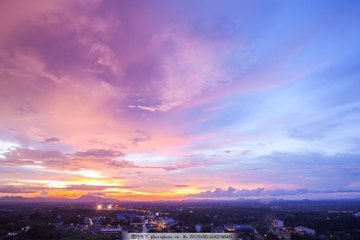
(198, 227)
(277, 223)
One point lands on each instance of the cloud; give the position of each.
(85, 187)
(27, 156)
(162, 108)
(185, 164)
(194, 65)
(181, 185)
(51, 139)
(99, 153)
(101, 194)
(262, 192)
(92, 159)
(106, 57)
(19, 189)
(44, 194)
(88, 72)
(142, 137)
(52, 159)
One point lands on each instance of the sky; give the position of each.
(172, 100)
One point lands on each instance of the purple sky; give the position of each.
(180, 99)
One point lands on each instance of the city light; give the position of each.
(99, 207)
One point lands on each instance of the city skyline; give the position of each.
(171, 100)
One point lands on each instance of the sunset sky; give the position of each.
(148, 100)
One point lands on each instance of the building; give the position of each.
(198, 227)
(229, 227)
(277, 224)
(144, 229)
(244, 228)
(304, 230)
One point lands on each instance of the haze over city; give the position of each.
(174, 100)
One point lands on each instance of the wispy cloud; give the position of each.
(51, 139)
(19, 189)
(85, 187)
(262, 192)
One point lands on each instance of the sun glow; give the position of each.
(87, 173)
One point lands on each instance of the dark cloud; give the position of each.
(51, 139)
(142, 136)
(245, 152)
(90, 159)
(51, 159)
(99, 153)
(19, 189)
(121, 164)
(184, 164)
(181, 185)
(27, 156)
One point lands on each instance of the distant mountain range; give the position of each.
(97, 199)
(82, 199)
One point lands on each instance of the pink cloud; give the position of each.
(13, 189)
(83, 84)
(85, 187)
(51, 159)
